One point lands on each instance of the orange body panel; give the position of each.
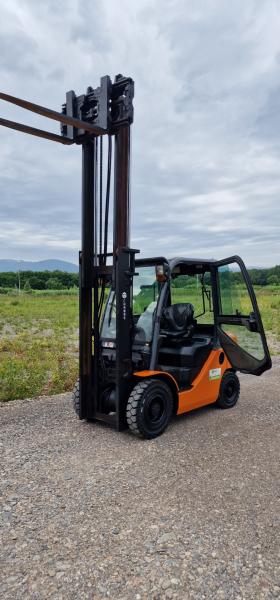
(205, 388)
(154, 373)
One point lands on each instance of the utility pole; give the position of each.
(19, 276)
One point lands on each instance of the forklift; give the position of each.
(157, 337)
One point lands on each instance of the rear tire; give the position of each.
(149, 408)
(229, 390)
(76, 398)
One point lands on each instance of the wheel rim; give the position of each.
(230, 391)
(155, 409)
(155, 412)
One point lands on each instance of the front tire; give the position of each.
(229, 390)
(149, 408)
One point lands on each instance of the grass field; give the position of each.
(39, 340)
(38, 344)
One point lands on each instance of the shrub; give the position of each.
(54, 284)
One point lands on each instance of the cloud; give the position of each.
(206, 172)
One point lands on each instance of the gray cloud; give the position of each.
(205, 177)
(17, 53)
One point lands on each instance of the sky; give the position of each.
(205, 178)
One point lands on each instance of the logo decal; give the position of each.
(215, 374)
(124, 307)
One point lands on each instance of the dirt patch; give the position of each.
(8, 331)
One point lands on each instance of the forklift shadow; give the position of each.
(101, 427)
(191, 416)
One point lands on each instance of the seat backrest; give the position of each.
(179, 317)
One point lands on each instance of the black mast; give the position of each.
(105, 110)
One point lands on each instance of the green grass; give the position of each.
(38, 344)
(39, 339)
(269, 305)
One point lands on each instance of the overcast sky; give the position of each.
(206, 135)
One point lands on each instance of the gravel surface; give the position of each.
(92, 513)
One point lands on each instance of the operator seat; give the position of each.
(182, 351)
(178, 321)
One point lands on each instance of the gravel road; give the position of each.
(92, 513)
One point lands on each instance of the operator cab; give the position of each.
(182, 309)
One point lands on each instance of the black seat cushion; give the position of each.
(188, 354)
(178, 319)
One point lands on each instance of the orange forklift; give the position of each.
(158, 337)
(193, 323)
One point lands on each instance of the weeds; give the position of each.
(38, 344)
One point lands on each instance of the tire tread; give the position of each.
(133, 404)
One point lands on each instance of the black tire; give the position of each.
(76, 398)
(229, 390)
(149, 408)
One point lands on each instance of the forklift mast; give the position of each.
(104, 111)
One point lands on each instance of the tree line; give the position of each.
(39, 280)
(263, 277)
(60, 280)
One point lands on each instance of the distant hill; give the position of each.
(7, 265)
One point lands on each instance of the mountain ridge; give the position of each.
(53, 264)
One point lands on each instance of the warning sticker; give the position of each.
(215, 374)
